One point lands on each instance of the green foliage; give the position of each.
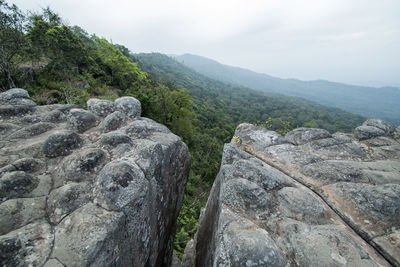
(13, 43)
(175, 110)
(121, 71)
(366, 101)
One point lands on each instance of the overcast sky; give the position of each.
(353, 41)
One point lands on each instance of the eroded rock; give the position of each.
(130, 106)
(61, 143)
(87, 188)
(81, 120)
(100, 107)
(308, 199)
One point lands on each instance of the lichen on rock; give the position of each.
(309, 198)
(83, 188)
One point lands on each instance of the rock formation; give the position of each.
(97, 187)
(309, 198)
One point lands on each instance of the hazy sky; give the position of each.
(354, 41)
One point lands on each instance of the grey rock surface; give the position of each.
(130, 106)
(87, 188)
(15, 102)
(100, 107)
(81, 120)
(301, 136)
(307, 199)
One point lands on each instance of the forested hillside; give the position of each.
(220, 104)
(366, 101)
(58, 63)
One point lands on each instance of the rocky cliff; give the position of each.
(96, 187)
(309, 198)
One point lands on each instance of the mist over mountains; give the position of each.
(367, 101)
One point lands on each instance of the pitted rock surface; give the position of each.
(310, 198)
(87, 188)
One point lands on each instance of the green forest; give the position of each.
(367, 101)
(58, 63)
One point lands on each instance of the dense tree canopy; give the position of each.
(13, 42)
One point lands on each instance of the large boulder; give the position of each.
(373, 128)
(309, 199)
(15, 102)
(130, 106)
(87, 188)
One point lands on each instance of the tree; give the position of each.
(12, 41)
(122, 71)
(57, 44)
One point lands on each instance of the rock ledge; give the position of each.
(307, 199)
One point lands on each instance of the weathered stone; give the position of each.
(397, 133)
(366, 132)
(251, 134)
(175, 261)
(378, 204)
(112, 121)
(16, 213)
(61, 144)
(17, 184)
(143, 128)
(66, 199)
(7, 111)
(28, 165)
(119, 184)
(301, 136)
(81, 166)
(109, 199)
(90, 236)
(130, 106)
(329, 172)
(189, 256)
(322, 245)
(15, 93)
(248, 245)
(115, 138)
(55, 116)
(242, 195)
(7, 128)
(15, 102)
(26, 246)
(100, 107)
(16, 96)
(301, 205)
(335, 148)
(81, 120)
(323, 200)
(53, 263)
(32, 130)
(380, 124)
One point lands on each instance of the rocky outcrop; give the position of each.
(97, 187)
(310, 198)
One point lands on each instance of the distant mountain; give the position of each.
(222, 106)
(367, 101)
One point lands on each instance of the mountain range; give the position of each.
(366, 101)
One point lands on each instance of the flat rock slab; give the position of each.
(102, 187)
(316, 199)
